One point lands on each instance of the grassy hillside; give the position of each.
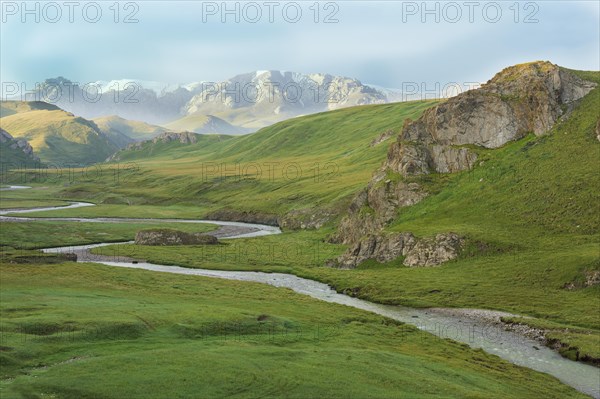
(315, 161)
(529, 211)
(15, 107)
(58, 137)
(135, 130)
(205, 124)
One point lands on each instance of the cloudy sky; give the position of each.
(385, 43)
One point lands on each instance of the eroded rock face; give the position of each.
(417, 252)
(383, 137)
(374, 207)
(312, 218)
(173, 237)
(523, 99)
(518, 100)
(21, 144)
(434, 251)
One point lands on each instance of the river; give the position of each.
(467, 327)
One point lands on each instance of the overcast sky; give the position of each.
(383, 43)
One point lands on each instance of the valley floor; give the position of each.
(61, 321)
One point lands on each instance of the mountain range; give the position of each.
(247, 102)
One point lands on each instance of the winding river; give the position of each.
(477, 328)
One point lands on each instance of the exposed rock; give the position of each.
(598, 130)
(434, 251)
(375, 206)
(20, 144)
(522, 99)
(382, 248)
(519, 99)
(173, 237)
(306, 219)
(588, 278)
(383, 137)
(417, 252)
(447, 159)
(409, 159)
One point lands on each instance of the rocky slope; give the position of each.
(258, 99)
(522, 99)
(16, 152)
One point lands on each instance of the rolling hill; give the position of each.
(527, 208)
(206, 124)
(116, 126)
(57, 136)
(8, 108)
(317, 160)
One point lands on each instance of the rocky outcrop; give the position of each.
(431, 251)
(17, 144)
(522, 99)
(375, 206)
(167, 137)
(434, 251)
(173, 237)
(382, 248)
(382, 137)
(588, 278)
(311, 218)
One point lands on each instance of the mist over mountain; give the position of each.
(250, 101)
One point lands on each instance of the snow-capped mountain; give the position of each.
(261, 98)
(250, 100)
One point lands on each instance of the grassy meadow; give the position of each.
(529, 211)
(86, 331)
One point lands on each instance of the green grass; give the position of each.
(59, 138)
(33, 203)
(317, 161)
(496, 281)
(529, 210)
(43, 234)
(88, 331)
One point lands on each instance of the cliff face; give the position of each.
(522, 99)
